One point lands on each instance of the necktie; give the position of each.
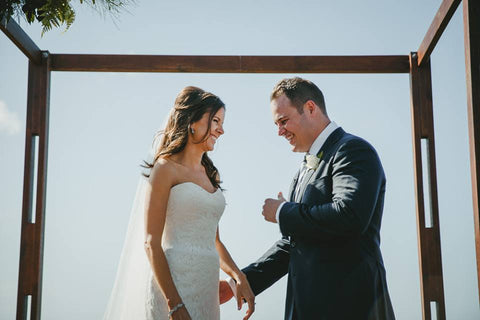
(303, 170)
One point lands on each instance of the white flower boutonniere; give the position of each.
(313, 160)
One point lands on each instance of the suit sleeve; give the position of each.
(272, 266)
(357, 180)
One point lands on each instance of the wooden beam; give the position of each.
(33, 223)
(430, 258)
(230, 64)
(471, 19)
(21, 40)
(440, 22)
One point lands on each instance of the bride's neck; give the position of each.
(191, 157)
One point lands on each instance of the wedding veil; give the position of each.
(129, 293)
(127, 300)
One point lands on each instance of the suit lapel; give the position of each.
(304, 184)
(329, 143)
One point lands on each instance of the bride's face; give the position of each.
(216, 129)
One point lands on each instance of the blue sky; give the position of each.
(102, 124)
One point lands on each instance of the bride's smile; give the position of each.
(201, 127)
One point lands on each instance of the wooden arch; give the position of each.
(417, 64)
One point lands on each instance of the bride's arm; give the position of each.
(244, 292)
(158, 191)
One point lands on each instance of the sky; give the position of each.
(102, 126)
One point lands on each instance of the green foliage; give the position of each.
(52, 13)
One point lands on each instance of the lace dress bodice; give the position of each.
(188, 241)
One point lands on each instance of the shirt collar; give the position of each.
(322, 137)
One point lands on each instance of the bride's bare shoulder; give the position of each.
(164, 171)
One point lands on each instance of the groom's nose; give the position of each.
(281, 130)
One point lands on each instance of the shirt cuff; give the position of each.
(233, 286)
(277, 214)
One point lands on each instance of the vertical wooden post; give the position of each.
(428, 227)
(471, 20)
(33, 222)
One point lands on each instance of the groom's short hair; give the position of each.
(299, 91)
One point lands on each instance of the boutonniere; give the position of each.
(313, 160)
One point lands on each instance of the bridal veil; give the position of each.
(129, 293)
(127, 300)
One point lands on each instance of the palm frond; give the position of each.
(55, 13)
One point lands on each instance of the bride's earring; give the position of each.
(192, 130)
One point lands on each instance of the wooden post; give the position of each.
(428, 227)
(471, 19)
(33, 222)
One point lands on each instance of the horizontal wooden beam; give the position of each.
(439, 23)
(15, 33)
(230, 64)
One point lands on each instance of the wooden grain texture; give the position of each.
(13, 31)
(230, 64)
(32, 234)
(429, 249)
(471, 19)
(439, 23)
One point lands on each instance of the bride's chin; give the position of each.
(209, 148)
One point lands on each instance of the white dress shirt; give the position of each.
(314, 148)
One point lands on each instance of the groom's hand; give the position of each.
(224, 291)
(270, 207)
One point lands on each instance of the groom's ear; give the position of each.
(310, 107)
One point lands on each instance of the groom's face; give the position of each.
(291, 124)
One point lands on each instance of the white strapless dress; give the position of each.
(189, 245)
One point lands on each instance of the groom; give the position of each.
(330, 225)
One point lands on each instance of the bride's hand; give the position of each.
(245, 294)
(180, 314)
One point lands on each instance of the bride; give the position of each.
(175, 222)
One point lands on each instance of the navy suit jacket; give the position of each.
(330, 244)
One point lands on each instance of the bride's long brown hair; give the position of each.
(190, 106)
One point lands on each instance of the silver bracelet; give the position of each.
(178, 306)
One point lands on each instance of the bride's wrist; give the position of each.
(174, 309)
(240, 277)
(173, 302)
